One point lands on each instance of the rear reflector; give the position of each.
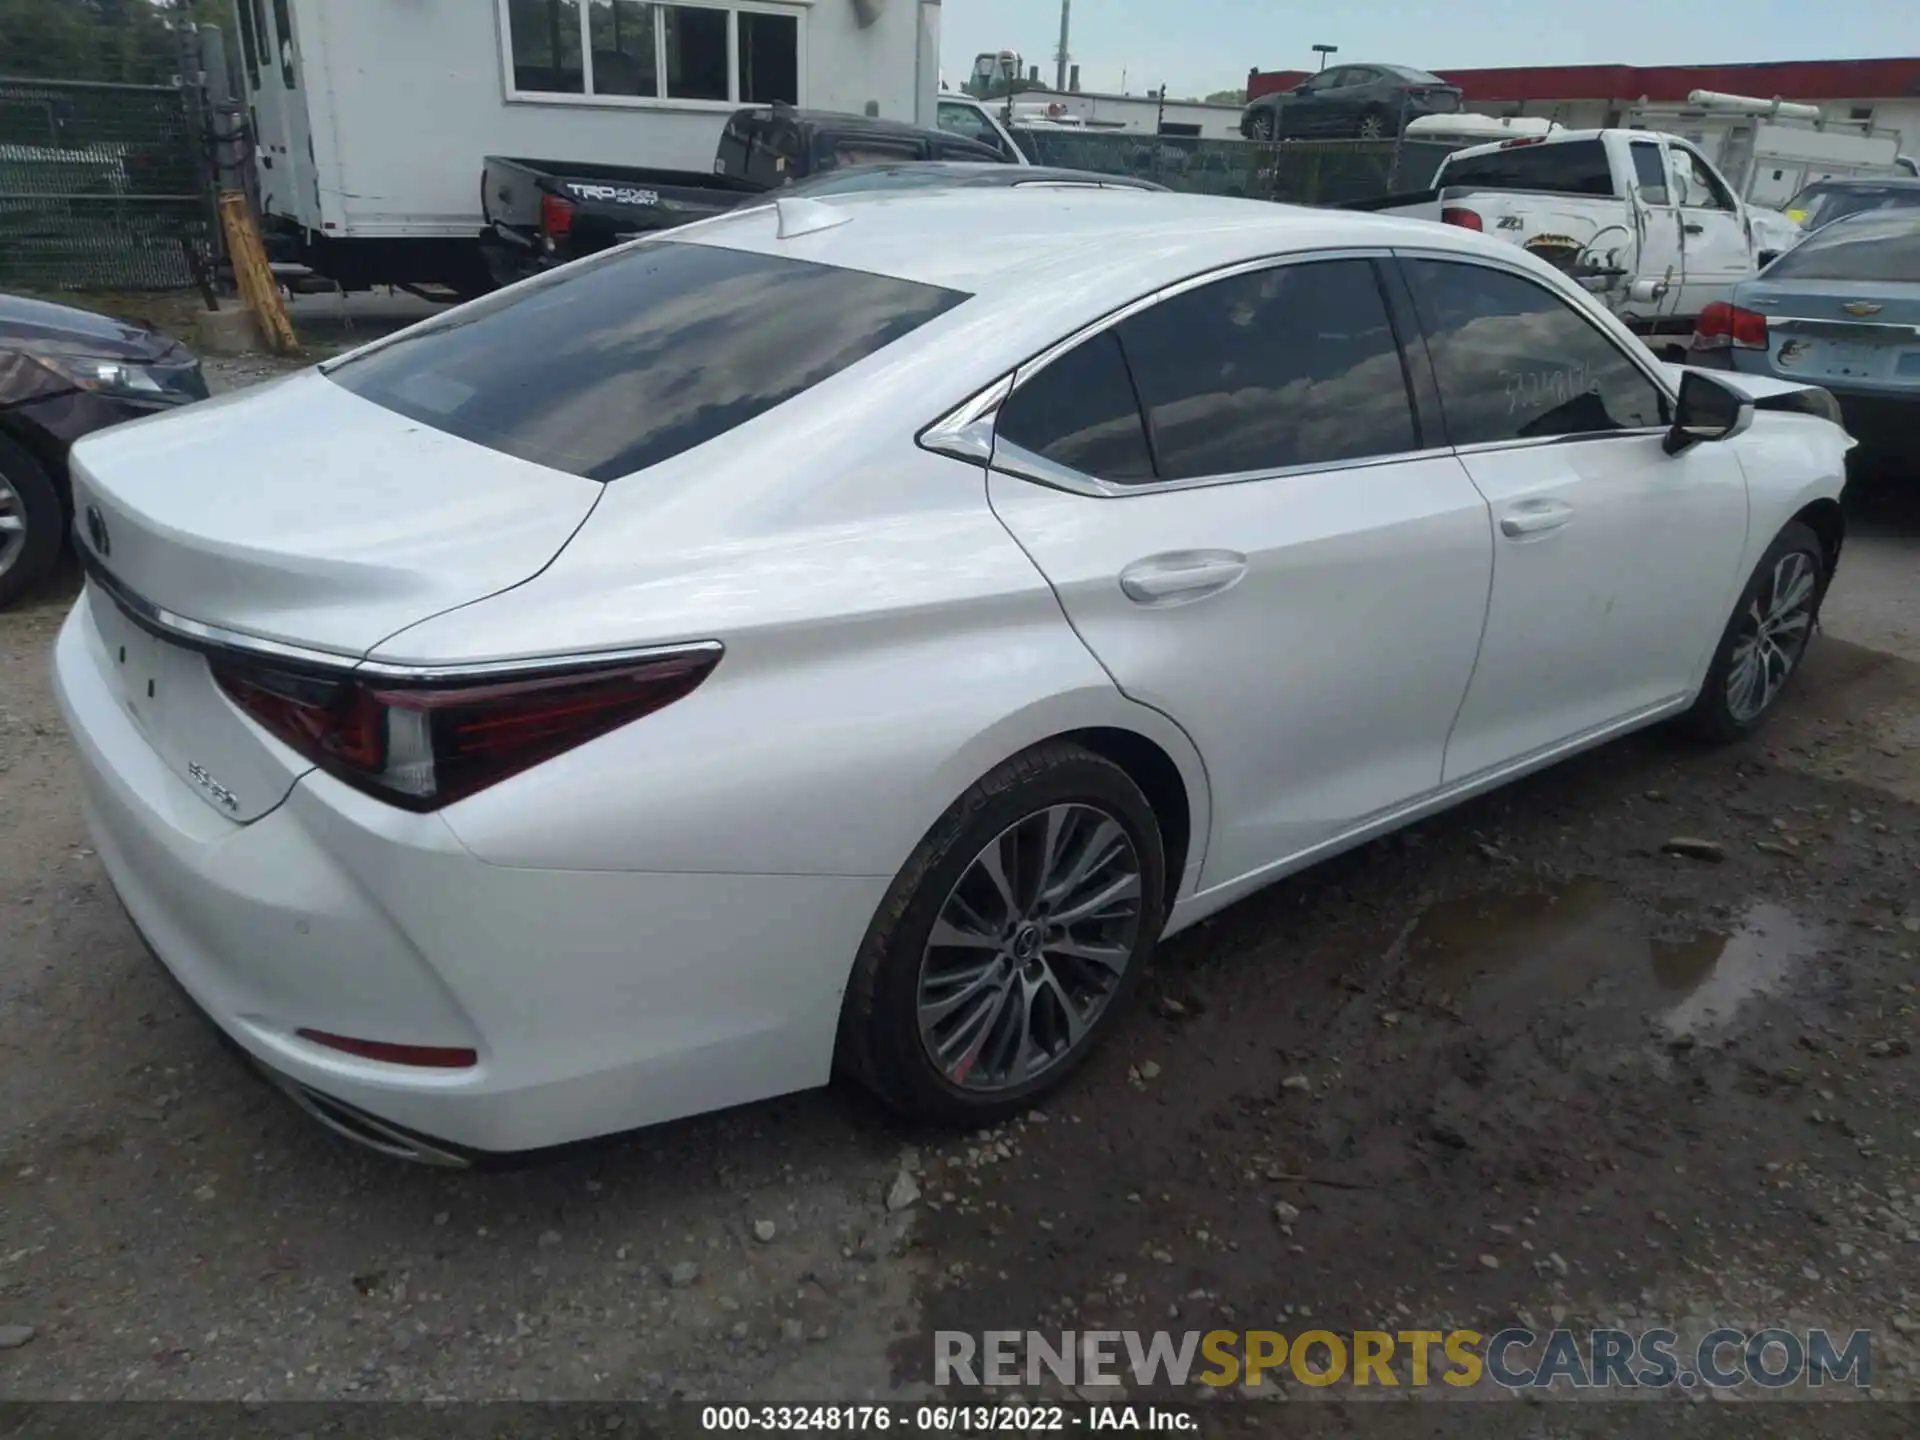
(422, 1057)
(1463, 217)
(424, 744)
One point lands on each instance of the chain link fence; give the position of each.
(1295, 172)
(102, 187)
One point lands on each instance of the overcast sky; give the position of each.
(1196, 46)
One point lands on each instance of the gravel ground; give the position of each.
(1518, 1064)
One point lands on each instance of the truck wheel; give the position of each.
(32, 522)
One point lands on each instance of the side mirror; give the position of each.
(1707, 410)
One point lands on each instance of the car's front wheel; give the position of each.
(1766, 639)
(1010, 941)
(32, 522)
(1262, 127)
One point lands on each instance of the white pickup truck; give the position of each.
(1640, 219)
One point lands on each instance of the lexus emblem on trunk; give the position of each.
(97, 532)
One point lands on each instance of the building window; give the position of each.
(645, 50)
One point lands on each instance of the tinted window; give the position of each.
(1291, 366)
(696, 52)
(284, 22)
(1864, 248)
(249, 43)
(1649, 172)
(1516, 362)
(544, 36)
(1576, 167)
(623, 55)
(769, 57)
(630, 358)
(1081, 412)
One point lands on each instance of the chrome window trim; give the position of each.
(1011, 459)
(218, 639)
(1536, 442)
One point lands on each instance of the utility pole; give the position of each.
(1060, 58)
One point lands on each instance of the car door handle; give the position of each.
(1693, 228)
(1535, 518)
(1180, 576)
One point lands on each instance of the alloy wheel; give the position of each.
(1773, 635)
(1372, 127)
(13, 526)
(1263, 127)
(1029, 947)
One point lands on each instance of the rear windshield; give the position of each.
(1865, 247)
(630, 358)
(1818, 206)
(1573, 167)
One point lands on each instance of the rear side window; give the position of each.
(630, 358)
(1864, 248)
(1575, 167)
(1516, 362)
(1081, 412)
(1291, 366)
(1649, 172)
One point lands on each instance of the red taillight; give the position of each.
(422, 745)
(1463, 217)
(424, 1057)
(556, 217)
(1722, 325)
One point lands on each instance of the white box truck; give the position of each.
(371, 118)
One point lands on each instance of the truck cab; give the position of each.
(1641, 219)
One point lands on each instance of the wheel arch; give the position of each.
(1828, 520)
(1154, 751)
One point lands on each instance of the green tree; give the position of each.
(128, 41)
(1227, 97)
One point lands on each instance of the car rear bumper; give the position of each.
(595, 1002)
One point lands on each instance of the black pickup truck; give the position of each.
(542, 213)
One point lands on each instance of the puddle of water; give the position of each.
(1511, 947)
(1719, 972)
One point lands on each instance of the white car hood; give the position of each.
(301, 513)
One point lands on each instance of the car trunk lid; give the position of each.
(1822, 332)
(298, 517)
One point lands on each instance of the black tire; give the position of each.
(880, 1042)
(28, 555)
(1263, 128)
(1378, 119)
(1713, 716)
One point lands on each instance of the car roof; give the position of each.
(975, 173)
(1027, 240)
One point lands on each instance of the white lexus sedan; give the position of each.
(852, 634)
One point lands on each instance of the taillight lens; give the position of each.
(427, 744)
(423, 1057)
(1722, 325)
(1463, 217)
(556, 217)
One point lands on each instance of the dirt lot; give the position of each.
(1519, 1064)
